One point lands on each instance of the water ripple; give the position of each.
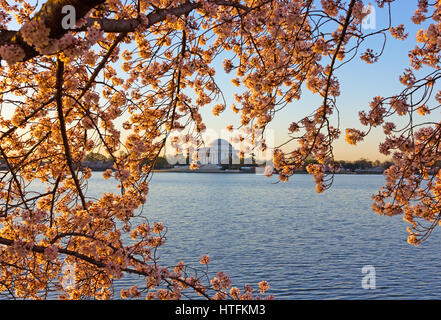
(308, 246)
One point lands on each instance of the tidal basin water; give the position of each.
(306, 245)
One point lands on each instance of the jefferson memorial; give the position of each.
(219, 152)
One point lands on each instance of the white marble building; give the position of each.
(219, 152)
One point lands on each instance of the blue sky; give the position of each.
(359, 83)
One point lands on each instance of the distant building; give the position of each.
(219, 152)
(376, 170)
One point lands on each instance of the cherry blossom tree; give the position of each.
(145, 68)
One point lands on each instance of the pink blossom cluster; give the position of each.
(353, 136)
(94, 34)
(330, 7)
(11, 53)
(398, 32)
(51, 252)
(20, 248)
(400, 105)
(318, 173)
(359, 12)
(35, 33)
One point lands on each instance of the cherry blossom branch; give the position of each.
(59, 101)
(52, 17)
(51, 14)
(42, 249)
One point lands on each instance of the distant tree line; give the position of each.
(162, 163)
(362, 164)
(96, 156)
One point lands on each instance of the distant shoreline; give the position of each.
(202, 171)
(226, 171)
(247, 172)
